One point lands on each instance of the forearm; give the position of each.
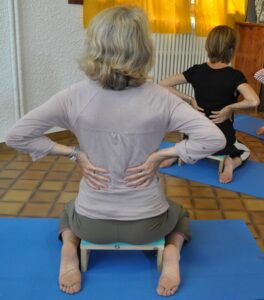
(172, 82)
(183, 96)
(204, 138)
(251, 99)
(210, 140)
(244, 104)
(28, 134)
(61, 150)
(163, 154)
(191, 150)
(37, 147)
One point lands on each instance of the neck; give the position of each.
(217, 65)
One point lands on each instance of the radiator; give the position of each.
(174, 53)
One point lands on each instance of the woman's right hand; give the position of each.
(95, 177)
(143, 174)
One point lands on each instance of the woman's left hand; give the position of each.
(142, 175)
(221, 115)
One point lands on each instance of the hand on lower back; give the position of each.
(95, 177)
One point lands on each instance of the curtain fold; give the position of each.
(210, 13)
(165, 16)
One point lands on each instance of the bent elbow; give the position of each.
(13, 139)
(254, 101)
(10, 140)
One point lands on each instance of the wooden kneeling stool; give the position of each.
(220, 158)
(86, 248)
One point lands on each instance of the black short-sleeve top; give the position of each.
(214, 89)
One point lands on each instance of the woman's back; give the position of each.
(214, 88)
(119, 129)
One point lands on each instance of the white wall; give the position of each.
(50, 38)
(7, 110)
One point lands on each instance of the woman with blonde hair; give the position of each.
(217, 87)
(119, 119)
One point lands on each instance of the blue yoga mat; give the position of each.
(222, 262)
(249, 125)
(247, 179)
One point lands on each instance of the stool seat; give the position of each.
(86, 247)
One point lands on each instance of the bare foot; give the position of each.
(260, 130)
(227, 175)
(70, 275)
(170, 277)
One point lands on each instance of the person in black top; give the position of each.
(217, 87)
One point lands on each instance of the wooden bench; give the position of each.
(86, 248)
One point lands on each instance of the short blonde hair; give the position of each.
(221, 44)
(119, 50)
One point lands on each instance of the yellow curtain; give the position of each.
(210, 13)
(165, 16)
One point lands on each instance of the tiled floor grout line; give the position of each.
(218, 202)
(191, 199)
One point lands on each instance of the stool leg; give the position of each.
(84, 259)
(221, 166)
(159, 259)
(180, 162)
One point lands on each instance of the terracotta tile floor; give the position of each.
(41, 189)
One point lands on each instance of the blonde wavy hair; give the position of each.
(119, 50)
(221, 44)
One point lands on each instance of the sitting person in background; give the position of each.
(259, 76)
(217, 87)
(119, 119)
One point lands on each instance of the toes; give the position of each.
(225, 179)
(173, 290)
(162, 291)
(62, 288)
(76, 288)
(70, 289)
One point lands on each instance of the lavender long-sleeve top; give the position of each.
(117, 130)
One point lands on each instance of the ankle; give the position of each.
(175, 249)
(70, 245)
